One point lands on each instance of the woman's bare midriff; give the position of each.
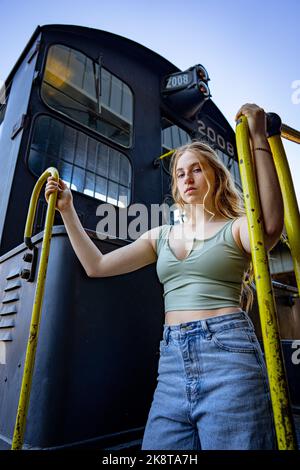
(175, 317)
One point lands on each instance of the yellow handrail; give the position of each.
(291, 210)
(289, 133)
(265, 296)
(167, 154)
(20, 423)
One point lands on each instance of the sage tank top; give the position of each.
(209, 277)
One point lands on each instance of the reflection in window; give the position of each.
(86, 165)
(71, 86)
(173, 136)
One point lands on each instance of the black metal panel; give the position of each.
(17, 105)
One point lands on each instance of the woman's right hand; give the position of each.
(64, 197)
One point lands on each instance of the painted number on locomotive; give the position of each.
(176, 81)
(216, 138)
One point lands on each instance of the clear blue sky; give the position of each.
(250, 48)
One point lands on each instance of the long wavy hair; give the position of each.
(228, 201)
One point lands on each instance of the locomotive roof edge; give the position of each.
(88, 32)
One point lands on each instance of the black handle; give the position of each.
(273, 124)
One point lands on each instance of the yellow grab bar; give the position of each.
(265, 296)
(291, 210)
(289, 133)
(20, 423)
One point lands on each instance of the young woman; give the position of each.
(212, 391)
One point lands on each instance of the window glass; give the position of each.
(173, 136)
(86, 165)
(71, 86)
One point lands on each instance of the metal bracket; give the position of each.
(30, 257)
(273, 124)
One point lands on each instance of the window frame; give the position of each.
(78, 129)
(189, 132)
(43, 68)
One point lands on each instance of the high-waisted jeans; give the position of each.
(212, 388)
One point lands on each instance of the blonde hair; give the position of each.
(227, 199)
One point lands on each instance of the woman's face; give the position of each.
(190, 175)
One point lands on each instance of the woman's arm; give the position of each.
(268, 186)
(267, 180)
(129, 258)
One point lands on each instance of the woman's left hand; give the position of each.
(256, 118)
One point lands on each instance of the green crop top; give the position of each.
(209, 277)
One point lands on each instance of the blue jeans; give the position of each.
(212, 391)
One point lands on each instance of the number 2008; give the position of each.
(178, 80)
(215, 137)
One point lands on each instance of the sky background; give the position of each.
(249, 48)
